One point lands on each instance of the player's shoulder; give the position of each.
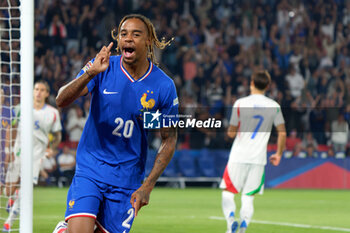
(51, 108)
(243, 101)
(115, 59)
(271, 102)
(160, 76)
(259, 99)
(159, 73)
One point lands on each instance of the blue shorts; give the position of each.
(109, 205)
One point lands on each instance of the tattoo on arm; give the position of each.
(165, 153)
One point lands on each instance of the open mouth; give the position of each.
(128, 51)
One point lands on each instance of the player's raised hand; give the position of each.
(275, 159)
(139, 198)
(101, 62)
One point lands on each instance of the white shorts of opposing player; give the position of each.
(14, 171)
(247, 179)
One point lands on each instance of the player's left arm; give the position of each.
(281, 143)
(233, 127)
(57, 137)
(166, 150)
(56, 140)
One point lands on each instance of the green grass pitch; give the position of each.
(195, 210)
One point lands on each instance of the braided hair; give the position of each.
(161, 44)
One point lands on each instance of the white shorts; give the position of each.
(244, 178)
(14, 171)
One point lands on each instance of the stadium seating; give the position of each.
(198, 166)
(171, 170)
(206, 164)
(187, 163)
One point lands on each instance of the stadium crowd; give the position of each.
(305, 46)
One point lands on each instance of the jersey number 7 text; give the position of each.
(261, 119)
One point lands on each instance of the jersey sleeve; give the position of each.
(235, 114)
(93, 81)
(170, 102)
(56, 126)
(279, 117)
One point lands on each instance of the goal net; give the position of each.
(12, 80)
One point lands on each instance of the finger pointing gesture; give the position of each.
(101, 62)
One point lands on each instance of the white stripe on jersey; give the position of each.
(254, 115)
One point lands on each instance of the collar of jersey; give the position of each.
(45, 105)
(130, 77)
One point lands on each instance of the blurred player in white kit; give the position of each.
(251, 123)
(46, 120)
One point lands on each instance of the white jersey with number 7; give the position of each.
(254, 116)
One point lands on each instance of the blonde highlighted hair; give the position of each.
(161, 44)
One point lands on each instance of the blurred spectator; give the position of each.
(66, 163)
(311, 151)
(214, 51)
(86, 108)
(347, 114)
(73, 34)
(210, 35)
(198, 136)
(327, 26)
(330, 152)
(308, 141)
(317, 121)
(293, 141)
(94, 41)
(340, 130)
(49, 172)
(215, 93)
(189, 68)
(295, 82)
(75, 124)
(58, 33)
(325, 61)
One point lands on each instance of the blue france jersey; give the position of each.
(113, 146)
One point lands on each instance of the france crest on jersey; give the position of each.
(113, 146)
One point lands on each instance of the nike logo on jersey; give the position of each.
(109, 92)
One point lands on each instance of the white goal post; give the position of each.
(16, 79)
(27, 77)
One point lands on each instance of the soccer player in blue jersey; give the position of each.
(107, 189)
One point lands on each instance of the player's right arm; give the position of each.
(281, 143)
(78, 87)
(166, 151)
(281, 138)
